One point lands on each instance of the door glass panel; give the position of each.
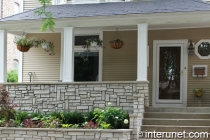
(169, 73)
(86, 70)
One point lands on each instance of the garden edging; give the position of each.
(9, 133)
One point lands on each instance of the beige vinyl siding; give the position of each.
(193, 83)
(46, 67)
(120, 64)
(30, 4)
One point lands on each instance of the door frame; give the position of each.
(184, 66)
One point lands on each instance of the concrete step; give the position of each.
(179, 109)
(176, 115)
(176, 122)
(175, 128)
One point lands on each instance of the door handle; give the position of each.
(181, 72)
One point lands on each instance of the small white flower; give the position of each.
(125, 121)
(102, 110)
(116, 117)
(109, 103)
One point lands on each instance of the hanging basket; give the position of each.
(116, 44)
(23, 48)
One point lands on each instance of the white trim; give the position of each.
(58, 2)
(184, 67)
(68, 55)
(142, 52)
(21, 5)
(90, 31)
(3, 56)
(196, 49)
(84, 1)
(20, 68)
(61, 57)
(1, 9)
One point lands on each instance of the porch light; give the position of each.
(191, 48)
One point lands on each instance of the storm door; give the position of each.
(169, 88)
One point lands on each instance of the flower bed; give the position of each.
(64, 134)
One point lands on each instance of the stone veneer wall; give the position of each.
(47, 97)
(63, 134)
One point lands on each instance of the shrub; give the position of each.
(12, 76)
(7, 110)
(110, 117)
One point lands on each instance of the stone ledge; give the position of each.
(78, 83)
(66, 130)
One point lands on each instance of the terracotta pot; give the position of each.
(117, 45)
(23, 48)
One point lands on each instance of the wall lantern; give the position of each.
(191, 48)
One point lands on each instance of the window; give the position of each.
(116, 0)
(86, 70)
(85, 1)
(56, 2)
(90, 70)
(202, 49)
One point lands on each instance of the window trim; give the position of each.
(196, 49)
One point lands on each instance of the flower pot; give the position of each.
(23, 48)
(44, 45)
(93, 44)
(117, 45)
(198, 93)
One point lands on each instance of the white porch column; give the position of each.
(3, 56)
(68, 55)
(142, 52)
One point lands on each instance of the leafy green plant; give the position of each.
(12, 76)
(87, 45)
(66, 125)
(47, 21)
(198, 92)
(73, 117)
(110, 117)
(23, 41)
(115, 40)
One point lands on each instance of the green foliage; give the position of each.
(47, 21)
(66, 125)
(110, 117)
(73, 117)
(23, 41)
(12, 76)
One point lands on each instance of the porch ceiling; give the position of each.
(125, 22)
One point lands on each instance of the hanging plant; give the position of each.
(116, 43)
(93, 42)
(24, 44)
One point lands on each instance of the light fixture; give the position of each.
(191, 48)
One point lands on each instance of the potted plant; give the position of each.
(23, 43)
(116, 44)
(198, 92)
(93, 42)
(90, 42)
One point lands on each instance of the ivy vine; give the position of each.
(47, 20)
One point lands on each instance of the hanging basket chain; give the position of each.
(116, 43)
(117, 32)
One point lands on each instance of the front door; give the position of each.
(170, 73)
